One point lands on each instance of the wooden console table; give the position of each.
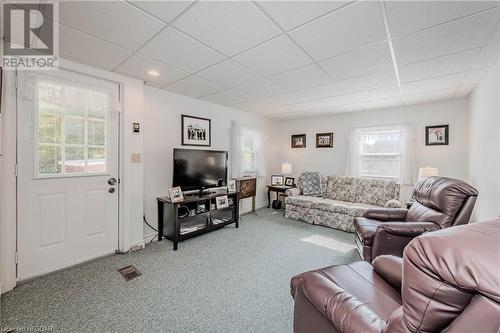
(247, 188)
(176, 224)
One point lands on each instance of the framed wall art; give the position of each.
(195, 131)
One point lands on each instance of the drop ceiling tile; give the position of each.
(261, 88)
(164, 10)
(153, 84)
(138, 66)
(439, 83)
(110, 20)
(449, 64)
(409, 16)
(174, 48)
(228, 26)
(342, 31)
(194, 86)
(301, 78)
(87, 49)
(382, 103)
(428, 97)
(227, 97)
(463, 34)
(376, 58)
(228, 73)
(275, 56)
(488, 56)
(290, 14)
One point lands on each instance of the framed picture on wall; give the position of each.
(437, 135)
(324, 140)
(195, 131)
(299, 141)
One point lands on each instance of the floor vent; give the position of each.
(129, 272)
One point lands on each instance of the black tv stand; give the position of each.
(175, 225)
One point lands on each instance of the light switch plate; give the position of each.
(135, 157)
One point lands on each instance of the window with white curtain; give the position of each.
(379, 154)
(382, 152)
(248, 154)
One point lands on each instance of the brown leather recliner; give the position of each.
(440, 203)
(448, 281)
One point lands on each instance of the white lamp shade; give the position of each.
(286, 168)
(427, 172)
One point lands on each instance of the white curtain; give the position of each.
(238, 132)
(70, 89)
(405, 144)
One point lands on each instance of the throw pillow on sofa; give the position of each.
(311, 183)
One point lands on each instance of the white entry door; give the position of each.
(67, 170)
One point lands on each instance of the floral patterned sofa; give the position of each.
(342, 199)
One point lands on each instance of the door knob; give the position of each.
(111, 190)
(112, 181)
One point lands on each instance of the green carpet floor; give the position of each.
(231, 280)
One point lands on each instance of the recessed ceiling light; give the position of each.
(152, 72)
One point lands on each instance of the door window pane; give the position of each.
(74, 131)
(74, 159)
(49, 128)
(96, 133)
(71, 129)
(97, 159)
(49, 160)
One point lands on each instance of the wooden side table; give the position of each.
(278, 190)
(247, 188)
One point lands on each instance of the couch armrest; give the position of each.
(386, 214)
(345, 312)
(392, 237)
(393, 203)
(292, 192)
(412, 229)
(390, 268)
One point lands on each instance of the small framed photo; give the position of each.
(437, 135)
(277, 180)
(231, 186)
(289, 181)
(195, 131)
(298, 141)
(175, 194)
(221, 202)
(324, 140)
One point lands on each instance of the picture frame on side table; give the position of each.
(221, 202)
(438, 135)
(175, 194)
(324, 140)
(299, 141)
(277, 180)
(231, 186)
(195, 131)
(289, 181)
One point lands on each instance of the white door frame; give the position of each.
(8, 197)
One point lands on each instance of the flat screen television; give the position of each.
(199, 169)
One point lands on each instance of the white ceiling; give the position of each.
(291, 59)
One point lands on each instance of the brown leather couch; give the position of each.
(448, 281)
(440, 203)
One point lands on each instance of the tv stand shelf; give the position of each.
(178, 228)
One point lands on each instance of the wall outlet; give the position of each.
(135, 157)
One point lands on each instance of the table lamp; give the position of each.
(286, 168)
(427, 172)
